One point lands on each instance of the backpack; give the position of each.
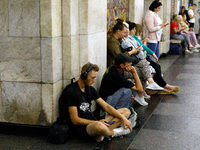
(59, 132)
(174, 49)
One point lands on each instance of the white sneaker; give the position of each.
(195, 50)
(188, 52)
(141, 100)
(191, 47)
(99, 138)
(154, 86)
(120, 131)
(197, 46)
(146, 96)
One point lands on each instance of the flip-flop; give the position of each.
(165, 93)
(151, 92)
(176, 89)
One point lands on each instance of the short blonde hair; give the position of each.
(178, 18)
(139, 29)
(86, 66)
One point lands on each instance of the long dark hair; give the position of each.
(131, 25)
(155, 4)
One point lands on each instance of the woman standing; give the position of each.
(153, 27)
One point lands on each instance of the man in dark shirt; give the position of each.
(75, 107)
(118, 91)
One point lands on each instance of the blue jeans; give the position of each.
(121, 98)
(155, 48)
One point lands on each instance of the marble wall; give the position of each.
(43, 44)
(136, 9)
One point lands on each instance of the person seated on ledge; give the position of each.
(114, 48)
(175, 33)
(152, 59)
(116, 89)
(75, 108)
(192, 35)
(141, 65)
(113, 42)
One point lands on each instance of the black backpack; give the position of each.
(59, 132)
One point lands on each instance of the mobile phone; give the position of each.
(139, 46)
(112, 122)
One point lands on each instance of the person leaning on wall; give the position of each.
(75, 108)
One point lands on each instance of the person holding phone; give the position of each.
(175, 33)
(142, 67)
(75, 109)
(153, 26)
(185, 25)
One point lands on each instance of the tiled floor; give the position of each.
(170, 122)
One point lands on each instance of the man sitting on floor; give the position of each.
(75, 108)
(118, 91)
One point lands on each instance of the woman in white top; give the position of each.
(153, 27)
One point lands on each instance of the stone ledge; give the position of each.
(175, 41)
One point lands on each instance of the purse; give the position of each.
(151, 58)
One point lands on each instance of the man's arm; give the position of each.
(113, 112)
(138, 85)
(76, 120)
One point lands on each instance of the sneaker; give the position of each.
(120, 131)
(191, 47)
(141, 100)
(188, 52)
(197, 46)
(146, 96)
(99, 138)
(195, 50)
(154, 86)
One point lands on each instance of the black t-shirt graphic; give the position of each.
(73, 96)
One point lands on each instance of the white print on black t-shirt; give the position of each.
(85, 107)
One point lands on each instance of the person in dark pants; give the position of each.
(192, 15)
(168, 89)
